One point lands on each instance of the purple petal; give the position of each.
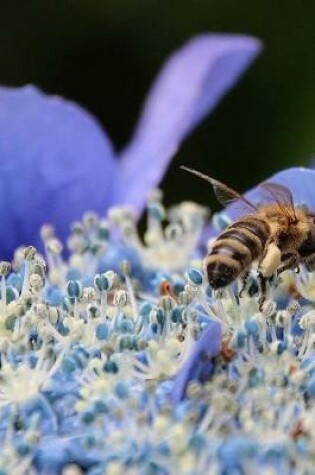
(301, 181)
(189, 86)
(56, 162)
(199, 365)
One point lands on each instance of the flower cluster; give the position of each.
(120, 359)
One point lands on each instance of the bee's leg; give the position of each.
(244, 280)
(290, 261)
(263, 288)
(309, 263)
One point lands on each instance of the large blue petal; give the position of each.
(55, 163)
(190, 84)
(200, 363)
(301, 182)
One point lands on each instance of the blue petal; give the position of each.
(55, 163)
(54, 454)
(301, 181)
(189, 86)
(199, 365)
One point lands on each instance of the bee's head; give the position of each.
(308, 246)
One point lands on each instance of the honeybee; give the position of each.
(278, 236)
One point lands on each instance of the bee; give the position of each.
(277, 235)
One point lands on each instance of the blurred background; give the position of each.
(105, 53)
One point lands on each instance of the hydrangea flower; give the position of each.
(56, 161)
(127, 363)
(99, 375)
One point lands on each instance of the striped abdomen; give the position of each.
(235, 249)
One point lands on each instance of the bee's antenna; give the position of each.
(195, 172)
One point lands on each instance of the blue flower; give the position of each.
(56, 161)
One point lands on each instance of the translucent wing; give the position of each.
(283, 197)
(224, 194)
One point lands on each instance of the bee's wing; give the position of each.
(282, 196)
(224, 194)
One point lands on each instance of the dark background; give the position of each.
(105, 53)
